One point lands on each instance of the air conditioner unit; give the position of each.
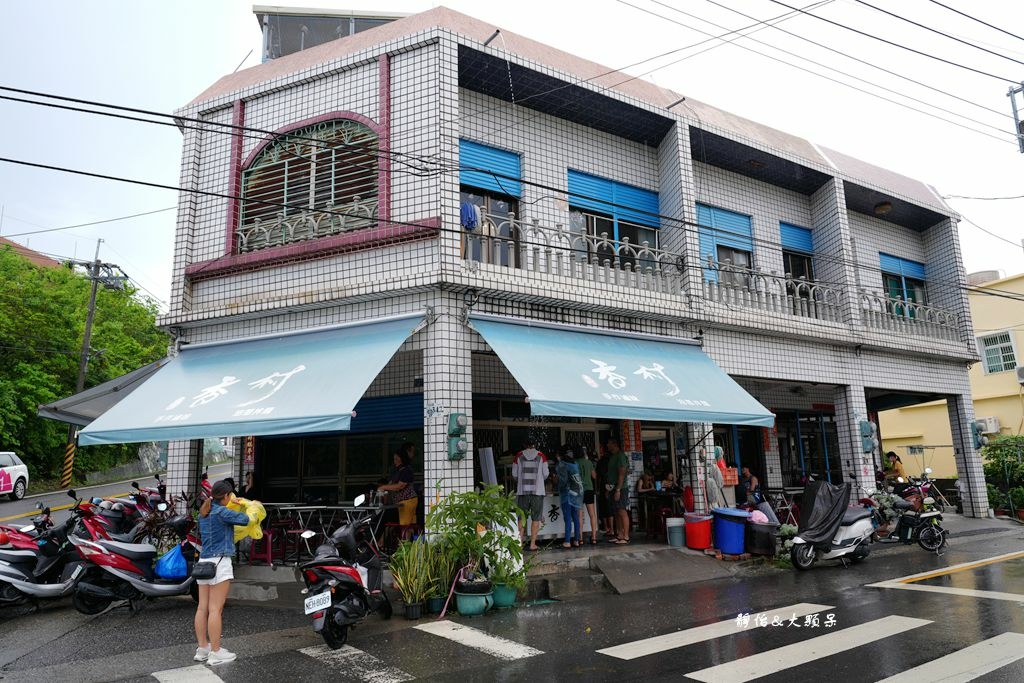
(988, 425)
(1020, 375)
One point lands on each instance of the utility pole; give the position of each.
(1018, 125)
(99, 272)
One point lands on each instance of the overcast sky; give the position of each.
(159, 55)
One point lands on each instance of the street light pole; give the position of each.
(83, 364)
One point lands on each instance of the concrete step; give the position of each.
(575, 583)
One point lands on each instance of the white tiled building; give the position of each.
(572, 167)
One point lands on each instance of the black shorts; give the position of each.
(588, 497)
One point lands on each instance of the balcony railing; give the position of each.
(513, 243)
(883, 312)
(308, 224)
(770, 292)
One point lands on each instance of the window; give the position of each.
(6, 460)
(998, 353)
(726, 238)
(797, 264)
(497, 239)
(598, 206)
(903, 280)
(314, 182)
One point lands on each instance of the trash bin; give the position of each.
(698, 531)
(761, 538)
(674, 531)
(730, 528)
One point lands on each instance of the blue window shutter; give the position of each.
(795, 238)
(708, 248)
(388, 413)
(620, 201)
(489, 168)
(730, 229)
(900, 266)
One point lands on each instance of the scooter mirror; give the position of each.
(927, 470)
(39, 506)
(308, 534)
(72, 494)
(135, 484)
(162, 507)
(360, 499)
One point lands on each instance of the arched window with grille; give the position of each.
(312, 182)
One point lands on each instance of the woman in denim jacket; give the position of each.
(216, 525)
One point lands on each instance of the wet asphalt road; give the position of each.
(275, 643)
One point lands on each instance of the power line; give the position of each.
(83, 225)
(684, 225)
(968, 16)
(1008, 241)
(833, 80)
(902, 47)
(984, 199)
(935, 30)
(872, 65)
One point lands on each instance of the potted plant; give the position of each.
(1016, 496)
(508, 578)
(996, 499)
(408, 568)
(476, 528)
(440, 570)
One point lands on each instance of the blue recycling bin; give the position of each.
(730, 529)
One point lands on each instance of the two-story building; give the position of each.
(415, 222)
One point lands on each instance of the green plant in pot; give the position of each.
(440, 569)
(409, 569)
(509, 579)
(477, 528)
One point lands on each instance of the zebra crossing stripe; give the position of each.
(356, 663)
(501, 648)
(698, 634)
(968, 663)
(782, 658)
(187, 674)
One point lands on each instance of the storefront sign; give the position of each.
(249, 450)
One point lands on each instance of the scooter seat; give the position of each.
(901, 504)
(133, 551)
(855, 514)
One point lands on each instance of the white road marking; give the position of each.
(470, 637)
(782, 658)
(671, 641)
(356, 663)
(969, 663)
(908, 583)
(187, 674)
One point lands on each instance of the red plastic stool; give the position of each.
(263, 549)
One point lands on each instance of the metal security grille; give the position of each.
(311, 183)
(998, 352)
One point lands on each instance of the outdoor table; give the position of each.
(653, 501)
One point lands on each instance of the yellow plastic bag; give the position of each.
(256, 512)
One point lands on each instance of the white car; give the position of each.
(13, 476)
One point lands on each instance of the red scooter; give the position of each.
(125, 571)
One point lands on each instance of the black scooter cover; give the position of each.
(823, 509)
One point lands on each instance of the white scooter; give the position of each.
(850, 539)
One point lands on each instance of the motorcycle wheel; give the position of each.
(803, 556)
(334, 634)
(88, 604)
(11, 596)
(931, 539)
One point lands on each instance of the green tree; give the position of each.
(1004, 462)
(42, 320)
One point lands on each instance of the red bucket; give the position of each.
(698, 531)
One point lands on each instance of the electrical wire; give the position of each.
(968, 16)
(876, 95)
(83, 225)
(937, 31)
(1008, 241)
(870, 64)
(902, 47)
(690, 227)
(984, 199)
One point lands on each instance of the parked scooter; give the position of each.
(49, 569)
(832, 530)
(339, 596)
(25, 537)
(923, 526)
(125, 571)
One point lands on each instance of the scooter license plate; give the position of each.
(318, 602)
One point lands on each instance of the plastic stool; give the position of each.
(263, 549)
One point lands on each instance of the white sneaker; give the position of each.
(220, 657)
(202, 653)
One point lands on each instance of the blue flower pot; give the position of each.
(504, 596)
(473, 604)
(435, 604)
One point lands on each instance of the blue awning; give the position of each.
(582, 373)
(294, 384)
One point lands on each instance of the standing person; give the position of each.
(215, 526)
(570, 493)
(618, 466)
(530, 470)
(402, 489)
(604, 481)
(589, 476)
